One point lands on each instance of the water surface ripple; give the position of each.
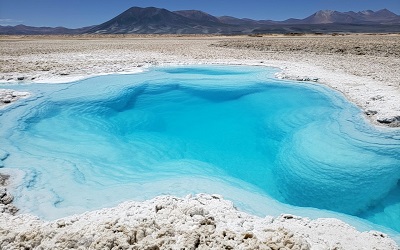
(271, 146)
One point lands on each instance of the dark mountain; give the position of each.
(291, 21)
(244, 21)
(236, 21)
(363, 17)
(380, 16)
(198, 16)
(328, 16)
(161, 21)
(29, 30)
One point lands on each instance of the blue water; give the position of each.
(271, 146)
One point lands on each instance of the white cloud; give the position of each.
(9, 21)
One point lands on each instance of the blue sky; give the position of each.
(79, 13)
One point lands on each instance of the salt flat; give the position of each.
(365, 68)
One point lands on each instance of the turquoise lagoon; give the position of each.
(270, 146)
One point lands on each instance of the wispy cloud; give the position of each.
(9, 21)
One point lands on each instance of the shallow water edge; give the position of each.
(349, 128)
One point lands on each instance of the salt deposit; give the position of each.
(370, 80)
(365, 68)
(199, 222)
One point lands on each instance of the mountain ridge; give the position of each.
(31, 30)
(383, 16)
(152, 20)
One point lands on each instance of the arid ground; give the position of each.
(363, 67)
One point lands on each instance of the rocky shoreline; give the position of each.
(8, 96)
(6, 198)
(200, 222)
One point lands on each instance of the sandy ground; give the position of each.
(365, 68)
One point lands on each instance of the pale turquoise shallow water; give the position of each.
(271, 146)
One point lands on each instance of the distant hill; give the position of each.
(381, 16)
(29, 30)
(245, 21)
(198, 16)
(153, 20)
(324, 17)
(363, 17)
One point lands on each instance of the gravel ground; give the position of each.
(374, 56)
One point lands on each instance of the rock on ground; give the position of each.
(5, 197)
(8, 96)
(166, 222)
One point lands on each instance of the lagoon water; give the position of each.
(271, 146)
